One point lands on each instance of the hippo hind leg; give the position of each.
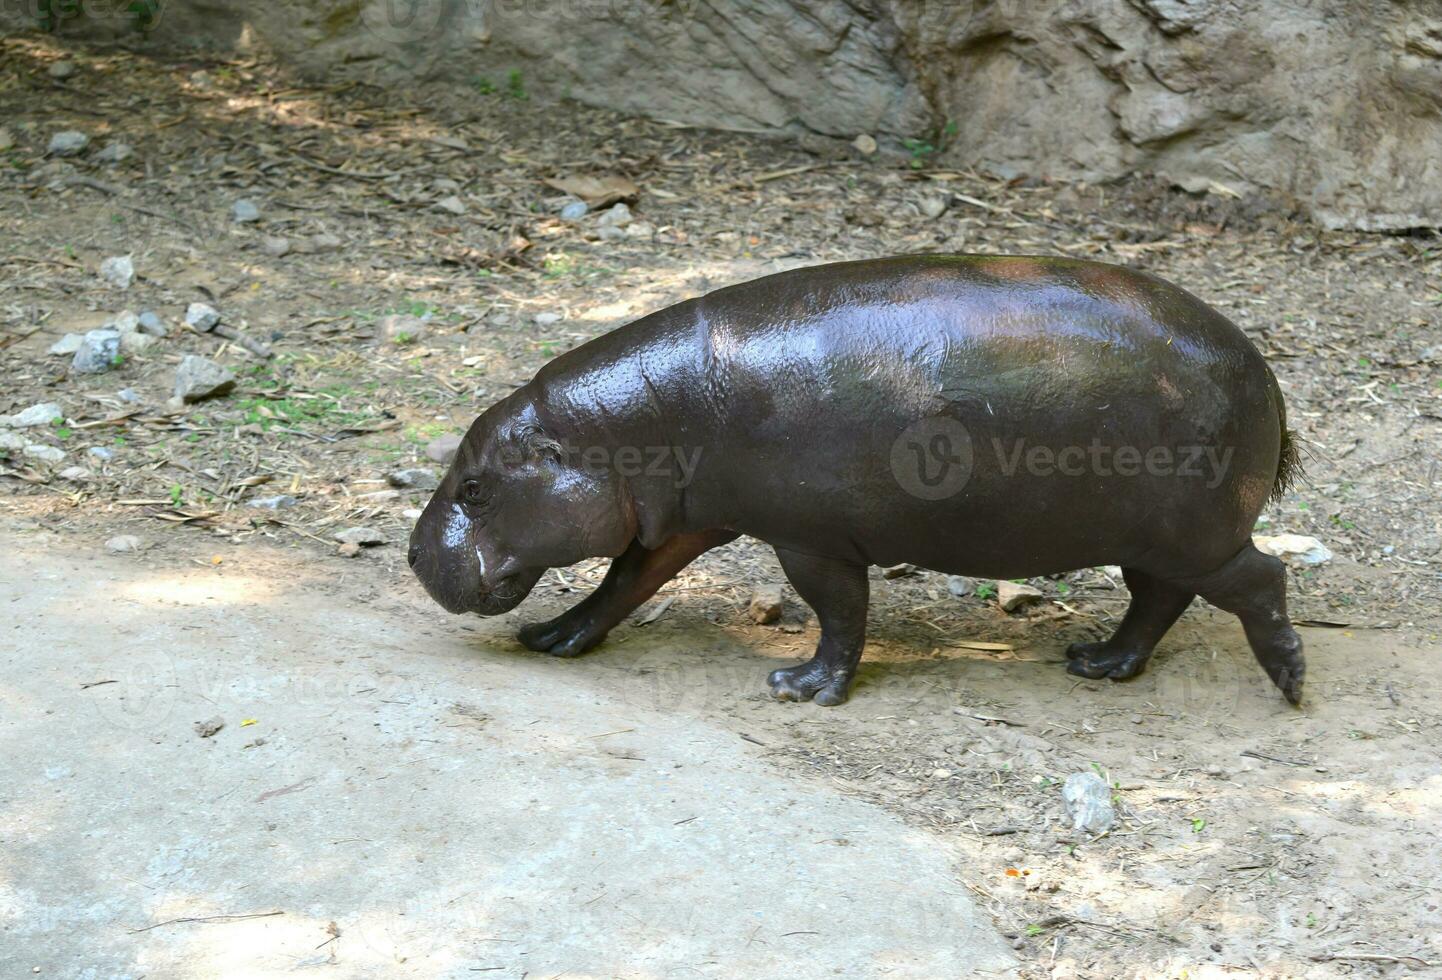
(634, 577)
(838, 592)
(1155, 606)
(1253, 587)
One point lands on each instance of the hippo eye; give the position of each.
(472, 491)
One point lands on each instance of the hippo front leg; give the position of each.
(838, 591)
(634, 577)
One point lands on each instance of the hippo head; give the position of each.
(514, 503)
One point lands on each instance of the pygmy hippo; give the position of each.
(996, 416)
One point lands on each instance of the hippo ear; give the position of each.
(529, 442)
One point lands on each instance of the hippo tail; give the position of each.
(1289, 459)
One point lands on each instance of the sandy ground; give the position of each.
(1255, 839)
(379, 806)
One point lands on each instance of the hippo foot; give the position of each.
(814, 680)
(558, 638)
(1096, 660)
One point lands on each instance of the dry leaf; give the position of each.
(597, 192)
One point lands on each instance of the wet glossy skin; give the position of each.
(829, 412)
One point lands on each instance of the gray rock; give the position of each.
(201, 316)
(616, 216)
(61, 70)
(68, 344)
(1293, 547)
(865, 144)
(442, 449)
(124, 543)
(75, 474)
(960, 585)
(766, 605)
(574, 211)
(46, 454)
(244, 211)
(933, 206)
(1011, 596)
(198, 378)
(272, 503)
(101, 453)
(325, 243)
(70, 143)
(132, 340)
(1087, 800)
(114, 152)
(97, 352)
(452, 205)
(363, 536)
(640, 229)
(898, 571)
(209, 727)
(41, 413)
(128, 395)
(275, 247)
(118, 271)
(414, 478)
(12, 442)
(548, 319)
(150, 323)
(403, 328)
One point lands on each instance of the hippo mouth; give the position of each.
(502, 597)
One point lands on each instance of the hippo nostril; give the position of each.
(414, 556)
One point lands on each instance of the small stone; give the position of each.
(61, 70)
(151, 324)
(12, 441)
(1087, 800)
(245, 212)
(898, 571)
(118, 271)
(933, 206)
(548, 319)
(123, 544)
(1011, 596)
(97, 352)
(348, 550)
(960, 585)
(1289, 547)
(201, 317)
(411, 513)
(766, 606)
(207, 728)
(68, 344)
(403, 329)
(272, 503)
(616, 216)
(128, 395)
(325, 243)
(941, 774)
(443, 449)
(101, 453)
(865, 144)
(414, 478)
(46, 454)
(75, 474)
(42, 413)
(574, 211)
(452, 205)
(114, 152)
(367, 536)
(198, 378)
(640, 229)
(275, 247)
(68, 144)
(132, 340)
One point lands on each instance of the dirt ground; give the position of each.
(1255, 839)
